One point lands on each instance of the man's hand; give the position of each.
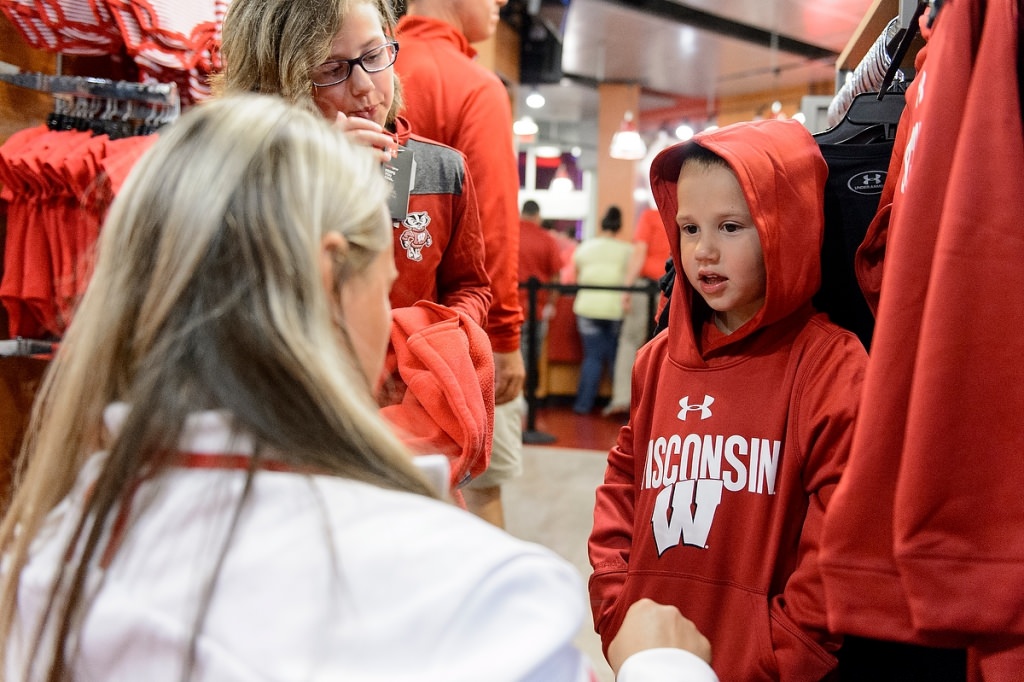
(509, 375)
(650, 625)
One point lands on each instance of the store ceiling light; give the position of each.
(626, 142)
(535, 100)
(562, 183)
(525, 127)
(684, 132)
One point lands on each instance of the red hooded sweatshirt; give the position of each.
(925, 540)
(715, 491)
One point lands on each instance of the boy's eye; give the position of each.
(731, 227)
(688, 229)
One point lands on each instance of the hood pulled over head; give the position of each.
(782, 175)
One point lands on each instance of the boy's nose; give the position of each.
(707, 248)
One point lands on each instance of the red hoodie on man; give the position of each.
(715, 491)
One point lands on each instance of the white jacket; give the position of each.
(325, 579)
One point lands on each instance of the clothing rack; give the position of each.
(21, 347)
(161, 94)
(880, 69)
(869, 74)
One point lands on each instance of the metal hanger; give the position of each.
(79, 100)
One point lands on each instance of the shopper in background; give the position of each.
(646, 267)
(208, 477)
(600, 261)
(453, 99)
(566, 247)
(540, 258)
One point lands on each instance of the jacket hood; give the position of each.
(402, 130)
(431, 29)
(782, 175)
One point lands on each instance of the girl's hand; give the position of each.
(369, 134)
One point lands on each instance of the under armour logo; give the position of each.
(705, 407)
(869, 182)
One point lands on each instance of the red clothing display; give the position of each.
(56, 189)
(439, 247)
(923, 542)
(458, 102)
(716, 489)
(169, 40)
(540, 256)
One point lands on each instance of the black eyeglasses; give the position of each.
(338, 70)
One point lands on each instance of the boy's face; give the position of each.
(720, 247)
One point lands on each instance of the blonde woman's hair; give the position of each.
(208, 294)
(272, 46)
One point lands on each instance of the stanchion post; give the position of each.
(531, 435)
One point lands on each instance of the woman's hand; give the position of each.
(650, 625)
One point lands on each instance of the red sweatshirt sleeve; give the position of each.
(823, 417)
(610, 540)
(485, 139)
(462, 280)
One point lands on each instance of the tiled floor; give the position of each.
(552, 502)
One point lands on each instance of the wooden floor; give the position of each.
(552, 503)
(571, 430)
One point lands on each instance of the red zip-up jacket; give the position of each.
(714, 494)
(439, 247)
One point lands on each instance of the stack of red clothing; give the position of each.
(56, 187)
(170, 41)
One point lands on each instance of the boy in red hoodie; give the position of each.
(741, 415)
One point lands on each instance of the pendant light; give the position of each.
(626, 142)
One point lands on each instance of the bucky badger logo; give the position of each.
(415, 238)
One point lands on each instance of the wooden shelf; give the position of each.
(871, 26)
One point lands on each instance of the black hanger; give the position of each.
(873, 117)
(869, 119)
(899, 51)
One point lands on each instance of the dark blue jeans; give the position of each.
(600, 340)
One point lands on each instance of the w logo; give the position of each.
(684, 512)
(704, 407)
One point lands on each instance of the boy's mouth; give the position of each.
(711, 283)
